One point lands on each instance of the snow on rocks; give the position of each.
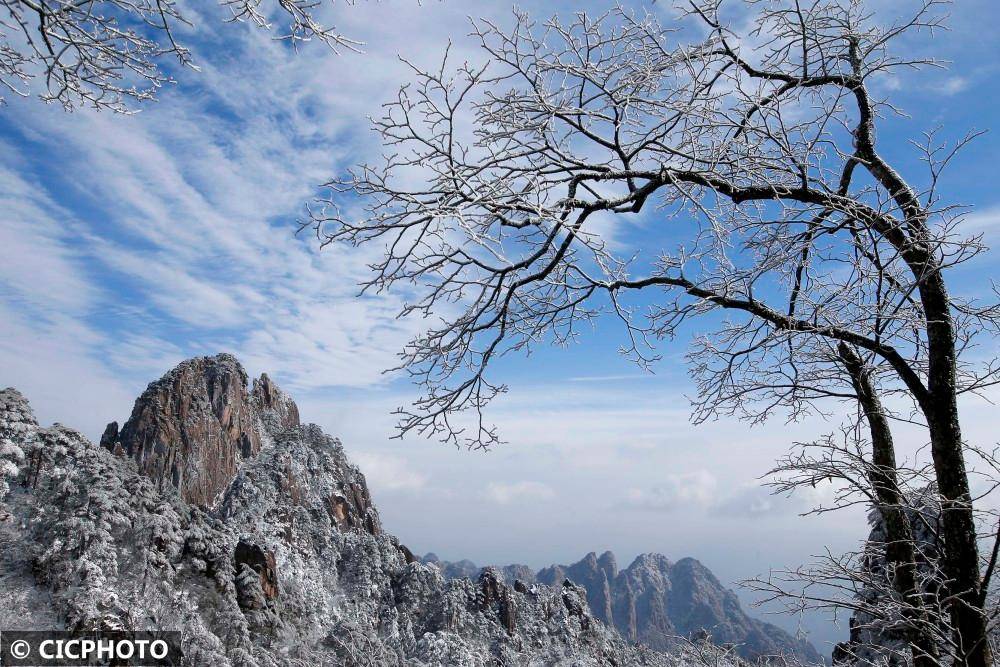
(273, 557)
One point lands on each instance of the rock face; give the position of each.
(250, 556)
(222, 517)
(275, 408)
(191, 428)
(656, 603)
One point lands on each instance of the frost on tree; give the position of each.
(736, 156)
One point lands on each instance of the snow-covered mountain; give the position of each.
(215, 512)
(655, 601)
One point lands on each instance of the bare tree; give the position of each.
(821, 268)
(109, 54)
(895, 586)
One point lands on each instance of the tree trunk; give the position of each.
(939, 402)
(961, 551)
(900, 553)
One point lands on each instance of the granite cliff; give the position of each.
(194, 426)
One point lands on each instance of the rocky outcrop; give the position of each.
(657, 603)
(495, 595)
(275, 408)
(877, 628)
(249, 555)
(352, 508)
(193, 427)
(109, 439)
(289, 565)
(454, 570)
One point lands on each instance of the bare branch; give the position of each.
(111, 54)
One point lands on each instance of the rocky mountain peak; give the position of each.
(694, 566)
(15, 409)
(16, 416)
(609, 564)
(651, 562)
(277, 410)
(270, 554)
(192, 428)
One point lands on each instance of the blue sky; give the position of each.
(130, 243)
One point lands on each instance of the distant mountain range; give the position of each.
(655, 601)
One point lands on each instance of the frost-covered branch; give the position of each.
(113, 54)
(744, 174)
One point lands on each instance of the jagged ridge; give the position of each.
(654, 602)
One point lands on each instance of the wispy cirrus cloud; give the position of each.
(178, 224)
(40, 271)
(982, 221)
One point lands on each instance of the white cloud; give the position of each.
(49, 361)
(613, 378)
(685, 491)
(756, 499)
(39, 269)
(527, 492)
(954, 85)
(750, 500)
(385, 472)
(984, 220)
(701, 492)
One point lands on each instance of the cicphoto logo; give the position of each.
(43, 648)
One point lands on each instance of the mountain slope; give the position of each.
(654, 602)
(212, 511)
